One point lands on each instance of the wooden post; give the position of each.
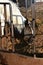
(12, 28)
(0, 28)
(6, 26)
(33, 22)
(5, 12)
(5, 18)
(0, 36)
(33, 16)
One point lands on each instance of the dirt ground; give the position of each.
(17, 59)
